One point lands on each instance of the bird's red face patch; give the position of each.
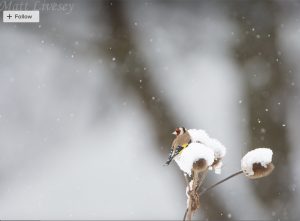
(177, 130)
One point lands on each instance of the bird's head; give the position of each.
(179, 131)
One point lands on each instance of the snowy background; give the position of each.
(88, 101)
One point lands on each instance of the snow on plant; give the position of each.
(257, 163)
(195, 152)
(209, 150)
(200, 136)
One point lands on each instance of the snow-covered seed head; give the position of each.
(195, 157)
(257, 163)
(179, 131)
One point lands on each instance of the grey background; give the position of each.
(89, 98)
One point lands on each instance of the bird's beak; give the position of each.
(174, 133)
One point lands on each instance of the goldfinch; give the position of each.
(181, 141)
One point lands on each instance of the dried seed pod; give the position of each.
(200, 165)
(261, 171)
(216, 162)
(257, 163)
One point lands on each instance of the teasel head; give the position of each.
(200, 166)
(260, 171)
(195, 158)
(257, 163)
(217, 165)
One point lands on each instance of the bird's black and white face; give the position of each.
(179, 131)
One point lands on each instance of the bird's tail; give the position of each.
(173, 153)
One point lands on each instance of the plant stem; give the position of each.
(194, 201)
(221, 181)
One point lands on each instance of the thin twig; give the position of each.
(221, 181)
(184, 217)
(188, 212)
(188, 186)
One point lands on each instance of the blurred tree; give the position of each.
(130, 69)
(267, 84)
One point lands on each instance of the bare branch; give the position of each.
(221, 181)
